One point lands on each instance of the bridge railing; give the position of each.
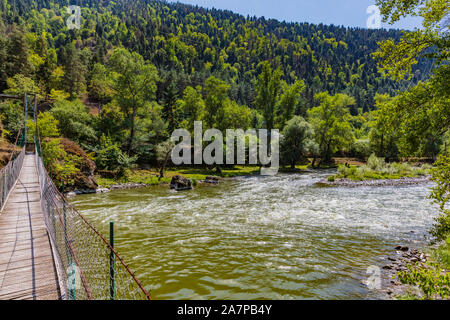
(10, 173)
(89, 266)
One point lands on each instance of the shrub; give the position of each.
(110, 157)
(430, 279)
(375, 163)
(360, 149)
(441, 195)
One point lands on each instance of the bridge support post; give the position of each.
(112, 284)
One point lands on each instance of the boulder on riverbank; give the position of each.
(180, 183)
(211, 180)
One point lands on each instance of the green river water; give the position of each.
(256, 237)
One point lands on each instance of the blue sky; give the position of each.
(350, 13)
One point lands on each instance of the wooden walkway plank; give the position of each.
(27, 268)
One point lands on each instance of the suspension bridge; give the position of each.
(48, 250)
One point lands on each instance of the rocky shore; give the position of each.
(375, 183)
(403, 257)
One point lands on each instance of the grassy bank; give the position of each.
(151, 177)
(431, 278)
(377, 168)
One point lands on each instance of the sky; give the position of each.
(349, 13)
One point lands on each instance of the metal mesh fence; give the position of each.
(9, 174)
(87, 265)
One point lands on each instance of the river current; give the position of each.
(256, 237)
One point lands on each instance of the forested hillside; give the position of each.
(188, 44)
(145, 68)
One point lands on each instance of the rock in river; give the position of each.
(180, 183)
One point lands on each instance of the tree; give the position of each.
(297, 140)
(171, 110)
(100, 84)
(192, 105)
(235, 116)
(20, 84)
(108, 156)
(134, 82)
(18, 51)
(330, 123)
(268, 88)
(216, 96)
(163, 151)
(289, 101)
(74, 78)
(383, 138)
(74, 121)
(48, 125)
(422, 113)
(397, 59)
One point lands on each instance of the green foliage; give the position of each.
(441, 195)
(12, 118)
(268, 88)
(361, 149)
(289, 101)
(397, 59)
(20, 84)
(48, 126)
(100, 88)
(64, 171)
(420, 115)
(383, 136)
(52, 151)
(192, 105)
(330, 123)
(134, 82)
(74, 121)
(236, 116)
(297, 141)
(216, 98)
(375, 163)
(432, 280)
(376, 168)
(171, 110)
(108, 156)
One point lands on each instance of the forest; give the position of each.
(111, 92)
(136, 70)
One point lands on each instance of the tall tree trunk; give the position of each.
(163, 166)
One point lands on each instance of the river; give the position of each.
(256, 237)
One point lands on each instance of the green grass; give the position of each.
(441, 255)
(151, 177)
(432, 284)
(377, 169)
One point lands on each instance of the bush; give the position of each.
(360, 149)
(110, 157)
(430, 279)
(375, 163)
(441, 195)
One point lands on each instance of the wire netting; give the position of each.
(9, 175)
(87, 264)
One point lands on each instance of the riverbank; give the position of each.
(291, 227)
(377, 169)
(414, 273)
(142, 178)
(344, 182)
